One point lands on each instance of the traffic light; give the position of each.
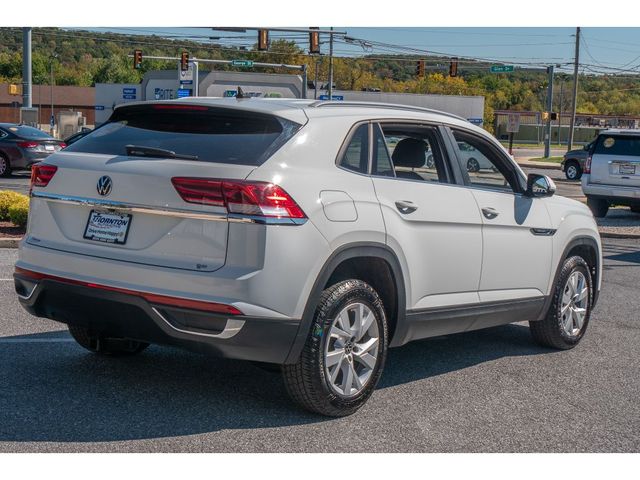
(420, 69)
(263, 40)
(554, 116)
(314, 41)
(453, 67)
(184, 61)
(137, 59)
(545, 116)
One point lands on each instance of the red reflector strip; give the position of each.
(149, 297)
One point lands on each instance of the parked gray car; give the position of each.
(21, 146)
(573, 162)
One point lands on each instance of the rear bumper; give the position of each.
(127, 315)
(612, 193)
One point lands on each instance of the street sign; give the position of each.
(188, 80)
(501, 68)
(129, 91)
(128, 97)
(242, 63)
(184, 92)
(513, 123)
(475, 120)
(99, 107)
(333, 97)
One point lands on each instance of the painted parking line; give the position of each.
(36, 340)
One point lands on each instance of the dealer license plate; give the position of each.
(107, 227)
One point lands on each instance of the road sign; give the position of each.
(128, 97)
(333, 97)
(188, 80)
(501, 68)
(513, 123)
(242, 63)
(99, 107)
(475, 120)
(128, 91)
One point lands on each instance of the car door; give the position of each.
(516, 229)
(432, 222)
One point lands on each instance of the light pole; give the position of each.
(52, 121)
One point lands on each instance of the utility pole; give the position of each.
(547, 133)
(575, 90)
(331, 64)
(52, 119)
(560, 111)
(26, 67)
(315, 82)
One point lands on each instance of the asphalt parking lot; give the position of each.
(491, 390)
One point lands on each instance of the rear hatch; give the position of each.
(616, 160)
(112, 193)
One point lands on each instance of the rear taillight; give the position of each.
(241, 197)
(63, 145)
(28, 144)
(587, 165)
(42, 174)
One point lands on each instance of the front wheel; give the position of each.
(344, 354)
(5, 167)
(568, 316)
(105, 345)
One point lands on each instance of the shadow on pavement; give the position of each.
(620, 253)
(53, 391)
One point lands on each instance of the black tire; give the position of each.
(572, 170)
(473, 165)
(549, 331)
(5, 166)
(104, 345)
(598, 206)
(306, 381)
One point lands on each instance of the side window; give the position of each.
(381, 161)
(483, 167)
(416, 153)
(618, 145)
(356, 155)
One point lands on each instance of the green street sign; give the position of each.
(242, 63)
(501, 68)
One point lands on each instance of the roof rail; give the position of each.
(394, 106)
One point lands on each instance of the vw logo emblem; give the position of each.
(104, 185)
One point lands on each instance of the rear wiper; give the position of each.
(142, 151)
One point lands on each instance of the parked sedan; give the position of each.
(21, 146)
(474, 160)
(573, 162)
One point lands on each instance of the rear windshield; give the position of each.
(218, 135)
(24, 131)
(618, 145)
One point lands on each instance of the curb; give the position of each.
(9, 242)
(541, 166)
(635, 236)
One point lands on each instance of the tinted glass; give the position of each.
(480, 162)
(356, 156)
(212, 134)
(31, 133)
(618, 145)
(381, 160)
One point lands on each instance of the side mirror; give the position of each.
(540, 186)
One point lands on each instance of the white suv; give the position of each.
(284, 232)
(612, 171)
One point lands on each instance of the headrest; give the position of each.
(409, 152)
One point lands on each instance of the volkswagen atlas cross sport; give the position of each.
(288, 232)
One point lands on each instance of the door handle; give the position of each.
(490, 213)
(405, 206)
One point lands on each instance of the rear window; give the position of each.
(217, 135)
(31, 133)
(618, 145)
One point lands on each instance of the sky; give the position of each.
(603, 49)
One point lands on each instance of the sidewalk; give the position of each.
(526, 162)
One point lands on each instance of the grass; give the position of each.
(550, 159)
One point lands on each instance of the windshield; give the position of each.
(218, 135)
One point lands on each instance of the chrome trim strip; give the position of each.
(33, 290)
(231, 328)
(165, 211)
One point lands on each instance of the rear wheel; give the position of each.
(568, 317)
(5, 166)
(598, 206)
(573, 171)
(344, 354)
(105, 345)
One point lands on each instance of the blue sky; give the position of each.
(603, 49)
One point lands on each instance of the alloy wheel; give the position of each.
(573, 307)
(572, 172)
(351, 351)
(3, 166)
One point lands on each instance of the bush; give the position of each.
(8, 198)
(19, 211)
